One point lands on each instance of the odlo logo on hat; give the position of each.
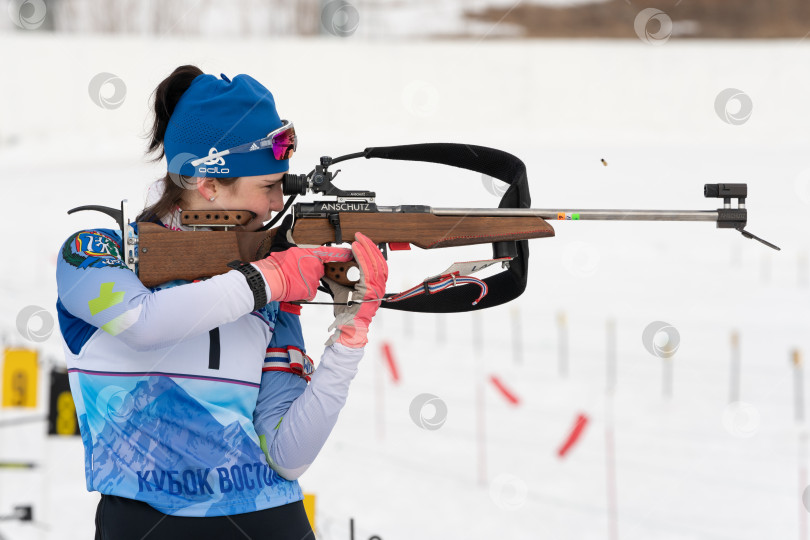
(216, 161)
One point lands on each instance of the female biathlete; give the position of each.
(198, 406)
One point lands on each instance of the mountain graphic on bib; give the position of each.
(162, 429)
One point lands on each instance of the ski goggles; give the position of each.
(282, 140)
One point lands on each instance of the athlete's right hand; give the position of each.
(294, 274)
(352, 322)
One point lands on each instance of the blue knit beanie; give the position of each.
(216, 114)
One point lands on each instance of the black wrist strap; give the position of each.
(255, 281)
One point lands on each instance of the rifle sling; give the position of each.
(504, 286)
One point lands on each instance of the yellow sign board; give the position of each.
(309, 508)
(19, 378)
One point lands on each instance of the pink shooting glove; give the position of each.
(352, 322)
(294, 274)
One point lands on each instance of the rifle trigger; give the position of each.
(334, 219)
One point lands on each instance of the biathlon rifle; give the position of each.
(159, 255)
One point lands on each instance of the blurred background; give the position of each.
(648, 384)
(464, 19)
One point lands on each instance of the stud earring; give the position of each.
(212, 199)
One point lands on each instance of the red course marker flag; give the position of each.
(389, 358)
(573, 437)
(508, 394)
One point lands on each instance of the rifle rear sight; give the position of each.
(320, 181)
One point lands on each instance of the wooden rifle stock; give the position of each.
(165, 255)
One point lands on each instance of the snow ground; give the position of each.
(687, 467)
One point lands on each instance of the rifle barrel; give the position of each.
(609, 215)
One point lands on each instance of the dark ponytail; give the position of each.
(166, 96)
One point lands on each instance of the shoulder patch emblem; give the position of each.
(97, 244)
(94, 249)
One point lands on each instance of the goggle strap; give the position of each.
(259, 144)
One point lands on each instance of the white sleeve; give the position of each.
(107, 295)
(178, 313)
(304, 428)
